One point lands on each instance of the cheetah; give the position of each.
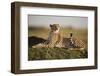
(54, 38)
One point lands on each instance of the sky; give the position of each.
(64, 21)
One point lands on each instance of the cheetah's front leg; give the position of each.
(57, 43)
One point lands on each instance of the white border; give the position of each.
(25, 64)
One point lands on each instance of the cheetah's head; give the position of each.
(55, 27)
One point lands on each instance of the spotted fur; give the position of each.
(73, 43)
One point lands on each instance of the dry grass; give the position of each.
(55, 53)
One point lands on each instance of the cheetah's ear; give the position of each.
(50, 25)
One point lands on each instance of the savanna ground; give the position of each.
(44, 53)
